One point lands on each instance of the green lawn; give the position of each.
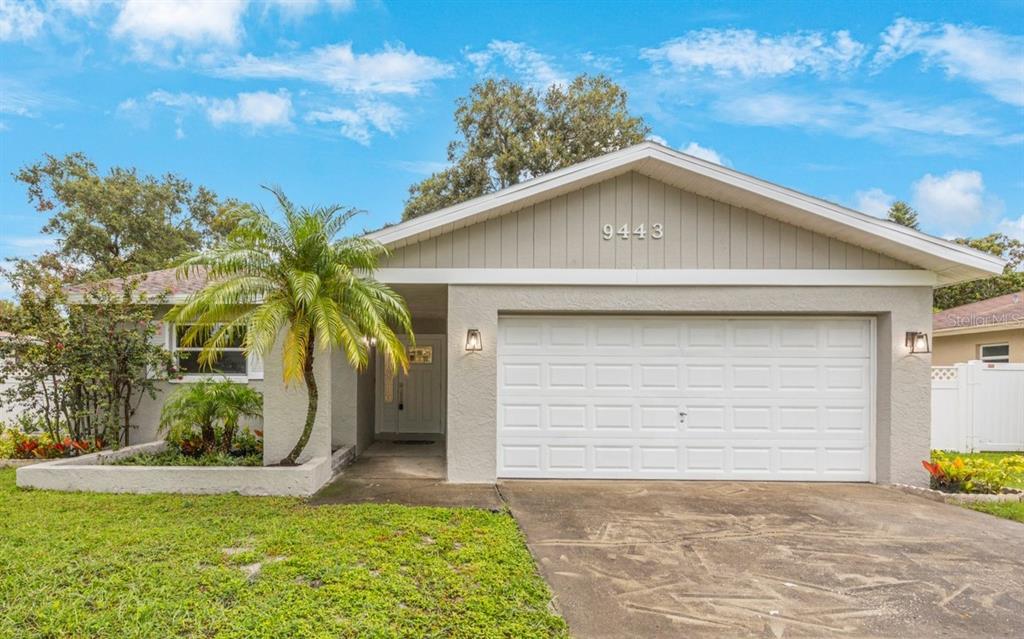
(80, 565)
(1006, 510)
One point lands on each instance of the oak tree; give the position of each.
(509, 132)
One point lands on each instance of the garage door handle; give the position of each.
(682, 416)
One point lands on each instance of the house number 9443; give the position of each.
(656, 232)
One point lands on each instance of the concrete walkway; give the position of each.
(410, 474)
(730, 559)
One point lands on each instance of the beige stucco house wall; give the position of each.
(949, 349)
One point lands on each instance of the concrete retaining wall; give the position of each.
(92, 473)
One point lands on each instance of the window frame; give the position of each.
(185, 376)
(994, 359)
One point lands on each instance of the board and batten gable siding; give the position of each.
(699, 233)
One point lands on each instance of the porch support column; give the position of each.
(344, 402)
(284, 409)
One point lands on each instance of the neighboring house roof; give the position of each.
(996, 314)
(152, 284)
(951, 262)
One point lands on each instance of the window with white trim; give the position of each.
(994, 353)
(231, 358)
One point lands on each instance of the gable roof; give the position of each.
(998, 313)
(950, 262)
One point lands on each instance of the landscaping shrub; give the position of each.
(15, 444)
(173, 456)
(951, 473)
(77, 371)
(204, 417)
(6, 442)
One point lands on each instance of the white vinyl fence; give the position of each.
(978, 406)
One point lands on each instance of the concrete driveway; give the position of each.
(730, 559)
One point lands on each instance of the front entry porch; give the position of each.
(395, 421)
(410, 473)
(400, 459)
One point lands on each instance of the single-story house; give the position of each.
(991, 331)
(644, 314)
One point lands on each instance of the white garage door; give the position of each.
(685, 398)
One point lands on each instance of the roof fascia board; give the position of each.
(984, 328)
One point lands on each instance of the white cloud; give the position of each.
(360, 122)
(156, 28)
(131, 110)
(602, 63)
(746, 53)
(341, 5)
(993, 60)
(530, 65)
(657, 138)
(20, 20)
(256, 110)
(32, 243)
(300, 9)
(81, 7)
(1012, 139)
(1012, 228)
(393, 70)
(873, 201)
(27, 246)
(704, 153)
(421, 167)
(852, 114)
(24, 100)
(954, 202)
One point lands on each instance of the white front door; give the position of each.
(413, 403)
(685, 398)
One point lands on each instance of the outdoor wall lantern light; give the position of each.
(473, 342)
(918, 342)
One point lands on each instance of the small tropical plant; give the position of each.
(952, 473)
(7, 442)
(298, 279)
(203, 417)
(15, 444)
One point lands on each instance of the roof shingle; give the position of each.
(1005, 309)
(153, 283)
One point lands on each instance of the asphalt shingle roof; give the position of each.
(1005, 309)
(154, 283)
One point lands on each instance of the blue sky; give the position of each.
(351, 101)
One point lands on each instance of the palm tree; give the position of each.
(295, 277)
(205, 405)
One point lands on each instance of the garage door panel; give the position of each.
(737, 416)
(765, 398)
(668, 459)
(684, 376)
(805, 338)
